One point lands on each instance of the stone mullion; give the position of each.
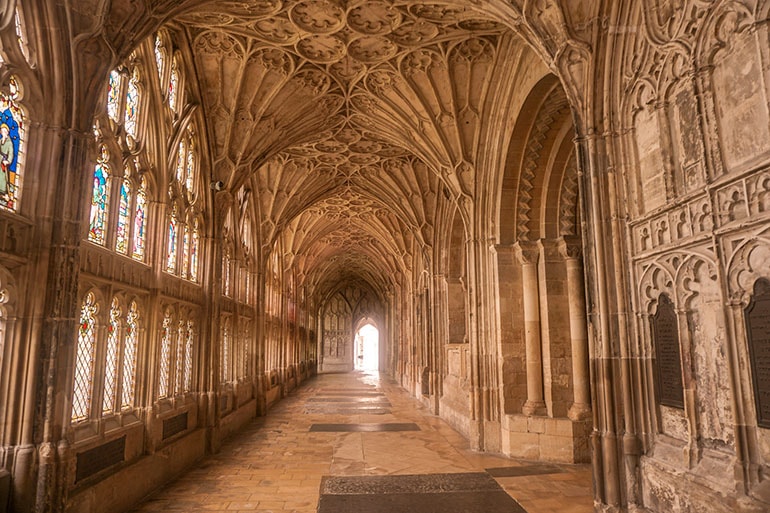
(440, 336)
(581, 406)
(477, 353)
(527, 253)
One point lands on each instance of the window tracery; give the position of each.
(118, 215)
(183, 242)
(115, 344)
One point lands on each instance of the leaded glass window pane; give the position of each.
(113, 96)
(140, 221)
(129, 358)
(171, 253)
(160, 56)
(165, 357)
(84, 360)
(111, 360)
(194, 251)
(100, 199)
(180, 347)
(226, 274)
(180, 161)
(132, 105)
(225, 350)
(188, 356)
(12, 139)
(190, 172)
(173, 85)
(186, 251)
(124, 206)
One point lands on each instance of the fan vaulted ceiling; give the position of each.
(353, 120)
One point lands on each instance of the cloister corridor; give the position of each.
(355, 428)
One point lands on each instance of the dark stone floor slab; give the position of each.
(449, 502)
(524, 470)
(432, 493)
(365, 428)
(415, 483)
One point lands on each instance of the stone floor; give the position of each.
(348, 429)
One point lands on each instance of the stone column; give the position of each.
(527, 253)
(570, 249)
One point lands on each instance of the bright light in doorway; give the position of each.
(368, 348)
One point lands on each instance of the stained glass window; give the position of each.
(171, 252)
(100, 199)
(160, 55)
(20, 33)
(180, 161)
(188, 356)
(190, 171)
(113, 96)
(84, 360)
(165, 357)
(129, 358)
(111, 360)
(173, 85)
(124, 206)
(140, 221)
(186, 251)
(194, 251)
(12, 141)
(133, 98)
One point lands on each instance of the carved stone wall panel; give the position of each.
(108, 266)
(684, 116)
(741, 101)
(16, 236)
(710, 347)
(652, 171)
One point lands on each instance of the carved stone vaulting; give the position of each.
(556, 213)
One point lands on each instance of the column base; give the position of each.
(579, 412)
(533, 408)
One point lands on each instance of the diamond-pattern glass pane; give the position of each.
(225, 350)
(129, 359)
(84, 360)
(188, 356)
(179, 363)
(111, 360)
(165, 358)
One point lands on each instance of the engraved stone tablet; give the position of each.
(668, 360)
(99, 458)
(757, 315)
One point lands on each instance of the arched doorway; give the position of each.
(367, 348)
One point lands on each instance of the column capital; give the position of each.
(527, 252)
(570, 247)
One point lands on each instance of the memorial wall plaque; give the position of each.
(100, 458)
(668, 359)
(757, 316)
